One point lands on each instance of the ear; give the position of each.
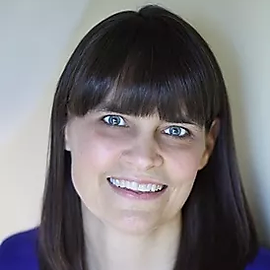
(210, 141)
(67, 146)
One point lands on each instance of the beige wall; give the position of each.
(37, 44)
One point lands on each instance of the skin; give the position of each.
(128, 233)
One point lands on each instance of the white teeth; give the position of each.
(153, 188)
(128, 184)
(142, 187)
(122, 184)
(135, 186)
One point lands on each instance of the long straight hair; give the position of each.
(138, 63)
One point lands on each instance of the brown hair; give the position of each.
(143, 61)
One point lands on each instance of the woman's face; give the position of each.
(135, 173)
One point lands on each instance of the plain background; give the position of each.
(38, 36)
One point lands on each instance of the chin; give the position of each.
(135, 222)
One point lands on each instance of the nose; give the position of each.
(142, 154)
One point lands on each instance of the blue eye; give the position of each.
(114, 120)
(176, 131)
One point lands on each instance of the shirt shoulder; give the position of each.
(261, 261)
(19, 251)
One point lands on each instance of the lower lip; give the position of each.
(133, 195)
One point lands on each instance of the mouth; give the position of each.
(135, 187)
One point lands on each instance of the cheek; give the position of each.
(183, 164)
(92, 160)
(182, 168)
(94, 155)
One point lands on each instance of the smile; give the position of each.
(134, 186)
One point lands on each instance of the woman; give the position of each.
(142, 169)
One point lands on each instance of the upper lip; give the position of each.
(140, 180)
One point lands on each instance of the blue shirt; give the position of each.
(18, 252)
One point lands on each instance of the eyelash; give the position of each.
(112, 124)
(186, 135)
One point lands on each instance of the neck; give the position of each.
(110, 249)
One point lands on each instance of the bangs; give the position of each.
(138, 64)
